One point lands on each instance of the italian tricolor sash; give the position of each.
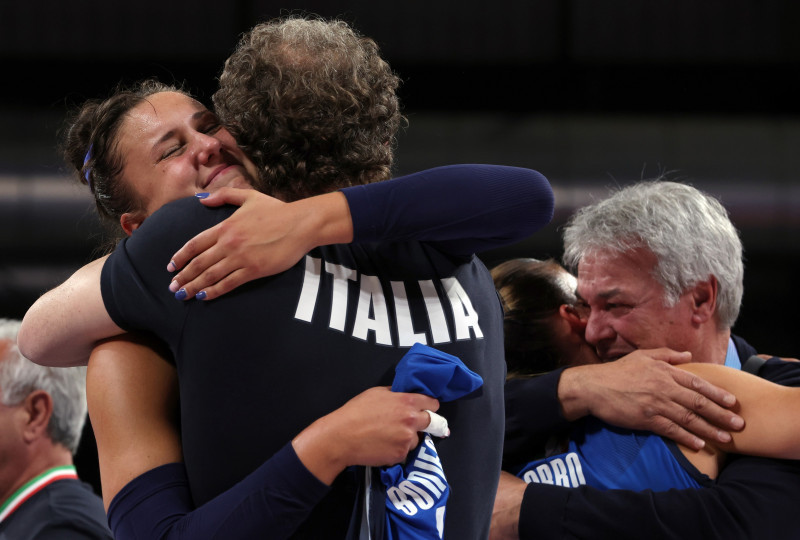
(33, 486)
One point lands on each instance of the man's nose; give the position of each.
(597, 328)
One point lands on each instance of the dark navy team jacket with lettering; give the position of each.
(261, 363)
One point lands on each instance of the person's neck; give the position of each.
(54, 455)
(713, 347)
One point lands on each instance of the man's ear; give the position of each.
(38, 406)
(131, 221)
(704, 300)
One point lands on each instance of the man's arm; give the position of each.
(639, 391)
(62, 326)
(463, 209)
(752, 498)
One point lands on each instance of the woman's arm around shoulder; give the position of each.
(62, 326)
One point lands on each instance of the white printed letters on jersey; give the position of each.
(372, 309)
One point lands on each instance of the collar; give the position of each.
(732, 356)
(35, 485)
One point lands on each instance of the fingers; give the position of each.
(705, 389)
(669, 356)
(204, 270)
(666, 428)
(206, 239)
(696, 412)
(191, 249)
(707, 403)
(218, 288)
(214, 282)
(687, 428)
(226, 195)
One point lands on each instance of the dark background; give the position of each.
(592, 94)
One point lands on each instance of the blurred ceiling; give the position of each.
(592, 94)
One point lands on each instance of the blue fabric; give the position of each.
(732, 356)
(605, 457)
(425, 370)
(417, 491)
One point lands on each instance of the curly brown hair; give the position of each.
(313, 104)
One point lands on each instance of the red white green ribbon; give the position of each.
(33, 486)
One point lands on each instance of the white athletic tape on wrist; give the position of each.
(437, 426)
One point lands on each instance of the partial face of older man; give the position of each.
(11, 438)
(628, 310)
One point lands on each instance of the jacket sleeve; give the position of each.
(463, 209)
(533, 414)
(753, 498)
(277, 497)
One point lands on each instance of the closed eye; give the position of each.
(171, 151)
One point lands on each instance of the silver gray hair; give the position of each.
(66, 386)
(688, 231)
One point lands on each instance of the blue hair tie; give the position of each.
(85, 161)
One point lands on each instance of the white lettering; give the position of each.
(405, 325)
(308, 294)
(420, 496)
(371, 311)
(545, 476)
(429, 462)
(575, 469)
(427, 481)
(400, 501)
(464, 315)
(433, 305)
(559, 472)
(566, 471)
(371, 300)
(341, 276)
(530, 477)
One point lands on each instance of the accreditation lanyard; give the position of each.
(35, 485)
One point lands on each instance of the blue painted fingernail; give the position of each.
(180, 295)
(201, 195)
(171, 266)
(201, 295)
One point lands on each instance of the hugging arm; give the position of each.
(640, 391)
(463, 209)
(753, 497)
(769, 410)
(62, 326)
(133, 404)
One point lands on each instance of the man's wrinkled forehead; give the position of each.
(611, 272)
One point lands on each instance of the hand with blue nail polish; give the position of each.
(263, 237)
